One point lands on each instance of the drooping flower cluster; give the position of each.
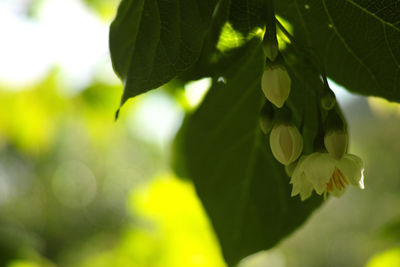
(286, 141)
(329, 169)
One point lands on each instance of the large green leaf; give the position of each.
(359, 41)
(243, 188)
(152, 41)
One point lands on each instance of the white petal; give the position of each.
(285, 141)
(299, 168)
(352, 167)
(301, 184)
(297, 143)
(274, 143)
(318, 168)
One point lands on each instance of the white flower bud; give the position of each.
(286, 143)
(275, 84)
(336, 143)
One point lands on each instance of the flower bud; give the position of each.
(336, 143)
(328, 99)
(336, 138)
(286, 143)
(266, 118)
(275, 84)
(271, 50)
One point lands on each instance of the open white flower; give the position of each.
(325, 174)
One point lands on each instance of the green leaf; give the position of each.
(233, 24)
(358, 41)
(245, 191)
(153, 41)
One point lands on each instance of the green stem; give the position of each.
(309, 51)
(270, 34)
(270, 42)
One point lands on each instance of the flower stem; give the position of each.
(270, 22)
(308, 51)
(270, 42)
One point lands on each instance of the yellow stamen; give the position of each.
(344, 179)
(338, 180)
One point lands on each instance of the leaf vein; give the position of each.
(346, 45)
(373, 15)
(389, 47)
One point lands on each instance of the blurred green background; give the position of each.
(78, 189)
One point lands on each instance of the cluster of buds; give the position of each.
(286, 141)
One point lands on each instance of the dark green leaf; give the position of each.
(232, 25)
(153, 41)
(243, 188)
(359, 41)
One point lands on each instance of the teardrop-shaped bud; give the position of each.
(328, 99)
(271, 50)
(286, 143)
(335, 138)
(336, 143)
(275, 84)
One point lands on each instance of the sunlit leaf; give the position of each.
(153, 41)
(358, 41)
